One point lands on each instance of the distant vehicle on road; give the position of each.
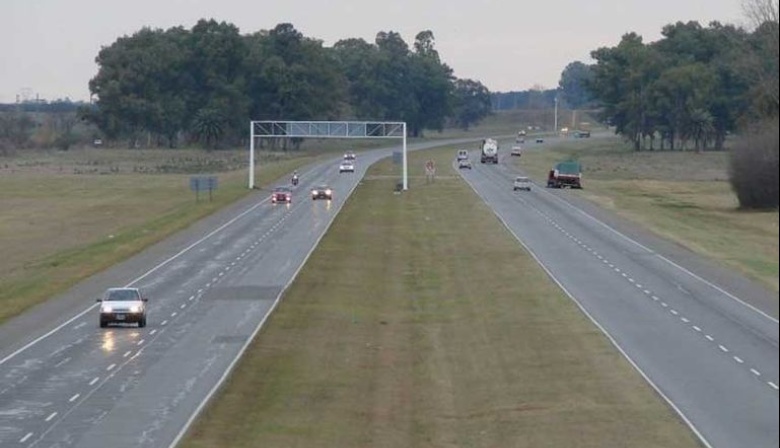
(464, 164)
(321, 192)
(122, 305)
(521, 183)
(349, 155)
(517, 150)
(489, 151)
(463, 154)
(539, 140)
(281, 194)
(347, 166)
(565, 174)
(581, 134)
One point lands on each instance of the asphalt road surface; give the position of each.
(64, 382)
(705, 338)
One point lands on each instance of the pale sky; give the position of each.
(48, 47)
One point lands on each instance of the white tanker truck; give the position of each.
(489, 150)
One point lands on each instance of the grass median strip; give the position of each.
(420, 322)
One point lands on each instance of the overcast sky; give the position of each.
(48, 47)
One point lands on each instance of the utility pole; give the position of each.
(555, 127)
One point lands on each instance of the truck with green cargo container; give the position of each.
(565, 174)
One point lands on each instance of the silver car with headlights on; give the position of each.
(122, 305)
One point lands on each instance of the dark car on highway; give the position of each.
(281, 194)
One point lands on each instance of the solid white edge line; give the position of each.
(251, 338)
(658, 390)
(134, 281)
(666, 260)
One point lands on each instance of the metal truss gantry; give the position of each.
(326, 129)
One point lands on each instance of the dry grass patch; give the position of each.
(69, 215)
(683, 196)
(420, 322)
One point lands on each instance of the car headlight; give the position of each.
(106, 309)
(135, 309)
(328, 192)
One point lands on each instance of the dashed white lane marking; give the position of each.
(153, 332)
(26, 437)
(127, 353)
(200, 291)
(604, 260)
(74, 398)
(79, 325)
(94, 380)
(214, 280)
(111, 367)
(173, 314)
(51, 416)
(220, 274)
(163, 322)
(141, 342)
(62, 362)
(183, 305)
(191, 298)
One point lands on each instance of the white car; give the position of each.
(465, 163)
(122, 305)
(521, 183)
(347, 166)
(517, 150)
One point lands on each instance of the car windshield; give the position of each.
(122, 295)
(323, 187)
(281, 190)
(521, 179)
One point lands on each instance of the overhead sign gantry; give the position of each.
(326, 129)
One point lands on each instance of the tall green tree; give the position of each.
(572, 84)
(472, 103)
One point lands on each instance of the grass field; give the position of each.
(68, 215)
(683, 196)
(420, 322)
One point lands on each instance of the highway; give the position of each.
(706, 340)
(68, 383)
(710, 353)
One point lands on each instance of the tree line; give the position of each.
(205, 84)
(694, 86)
